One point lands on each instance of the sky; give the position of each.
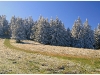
(67, 11)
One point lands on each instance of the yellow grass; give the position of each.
(25, 61)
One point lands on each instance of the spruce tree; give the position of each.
(17, 28)
(68, 37)
(13, 27)
(3, 25)
(40, 31)
(88, 36)
(97, 37)
(28, 23)
(77, 33)
(58, 33)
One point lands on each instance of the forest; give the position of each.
(51, 32)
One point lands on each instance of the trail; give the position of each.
(34, 56)
(33, 47)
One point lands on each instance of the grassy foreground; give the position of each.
(81, 65)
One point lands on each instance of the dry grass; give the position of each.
(80, 52)
(27, 62)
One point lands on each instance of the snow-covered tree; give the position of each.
(28, 23)
(40, 31)
(33, 31)
(58, 33)
(26, 27)
(53, 32)
(17, 28)
(77, 33)
(3, 25)
(68, 37)
(20, 29)
(45, 37)
(13, 27)
(88, 36)
(97, 37)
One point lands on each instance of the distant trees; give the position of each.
(51, 32)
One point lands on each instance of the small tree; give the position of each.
(18, 40)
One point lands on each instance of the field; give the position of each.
(31, 57)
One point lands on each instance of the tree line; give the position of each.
(51, 32)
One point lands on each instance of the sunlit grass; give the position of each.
(93, 62)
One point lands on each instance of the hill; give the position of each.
(31, 57)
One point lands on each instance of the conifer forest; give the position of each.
(51, 32)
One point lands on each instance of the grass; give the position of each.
(93, 62)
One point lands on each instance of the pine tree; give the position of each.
(13, 27)
(88, 36)
(29, 27)
(97, 37)
(77, 33)
(40, 31)
(28, 23)
(3, 25)
(68, 38)
(33, 31)
(17, 28)
(46, 30)
(20, 29)
(58, 33)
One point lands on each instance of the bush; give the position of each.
(18, 41)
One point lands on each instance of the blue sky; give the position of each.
(67, 11)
